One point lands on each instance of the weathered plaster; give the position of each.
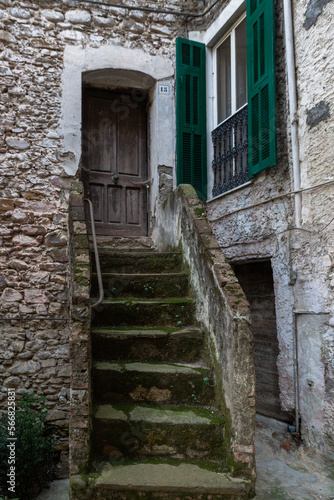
(320, 112)
(311, 328)
(314, 10)
(302, 259)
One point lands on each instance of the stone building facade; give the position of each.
(49, 52)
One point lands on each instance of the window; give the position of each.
(231, 72)
(230, 135)
(244, 135)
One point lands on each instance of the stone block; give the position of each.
(104, 21)
(25, 241)
(48, 363)
(7, 37)
(56, 239)
(18, 264)
(53, 15)
(33, 230)
(5, 231)
(11, 295)
(133, 27)
(20, 13)
(35, 296)
(6, 204)
(25, 367)
(202, 226)
(77, 200)
(16, 143)
(78, 17)
(78, 213)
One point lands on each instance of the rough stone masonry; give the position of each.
(34, 188)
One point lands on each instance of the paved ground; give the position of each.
(283, 472)
(286, 472)
(58, 491)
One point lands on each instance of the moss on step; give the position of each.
(157, 431)
(152, 382)
(177, 312)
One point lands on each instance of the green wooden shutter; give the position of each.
(191, 115)
(261, 85)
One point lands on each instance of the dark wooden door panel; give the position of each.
(256, 280)
(114, 161)
(114, 204)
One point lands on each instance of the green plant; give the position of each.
(34, 449)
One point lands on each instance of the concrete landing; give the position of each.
(184, 478)
(284, 471)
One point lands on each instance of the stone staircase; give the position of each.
(155, 431)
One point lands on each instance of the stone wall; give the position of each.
(35, 184)
(223, 311)
(80, 344)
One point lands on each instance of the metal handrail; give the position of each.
(97, 259)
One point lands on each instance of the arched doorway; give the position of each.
(114, 150)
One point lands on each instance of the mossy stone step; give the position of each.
(168, 345)
(157, 431)
(143, 285)
(159, 481)
(165, 312)
(139, 262)
(152, 383)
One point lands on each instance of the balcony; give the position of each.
(230, 148)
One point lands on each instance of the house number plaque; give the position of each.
(164, 89)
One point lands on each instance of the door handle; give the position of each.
(115, 178)
(143, 183)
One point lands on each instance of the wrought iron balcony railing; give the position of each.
(230, 147)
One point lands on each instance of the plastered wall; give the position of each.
(250, 227)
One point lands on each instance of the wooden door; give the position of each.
(256, 280)
(114, 162)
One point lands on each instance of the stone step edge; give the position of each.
(180, 415)
(135, 276)
(143, 275)
(138, 367)
(135, 252)
(161, 477)
(137, 301)
(154, 332)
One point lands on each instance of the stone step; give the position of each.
(133, 262)
(165, 312)
(143, 285)
(177, 432)
(123, 243)
(159, 481)
(152, 383)
(147, 344)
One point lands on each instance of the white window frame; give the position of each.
(230, 33)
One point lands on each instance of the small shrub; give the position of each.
(34, 449)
